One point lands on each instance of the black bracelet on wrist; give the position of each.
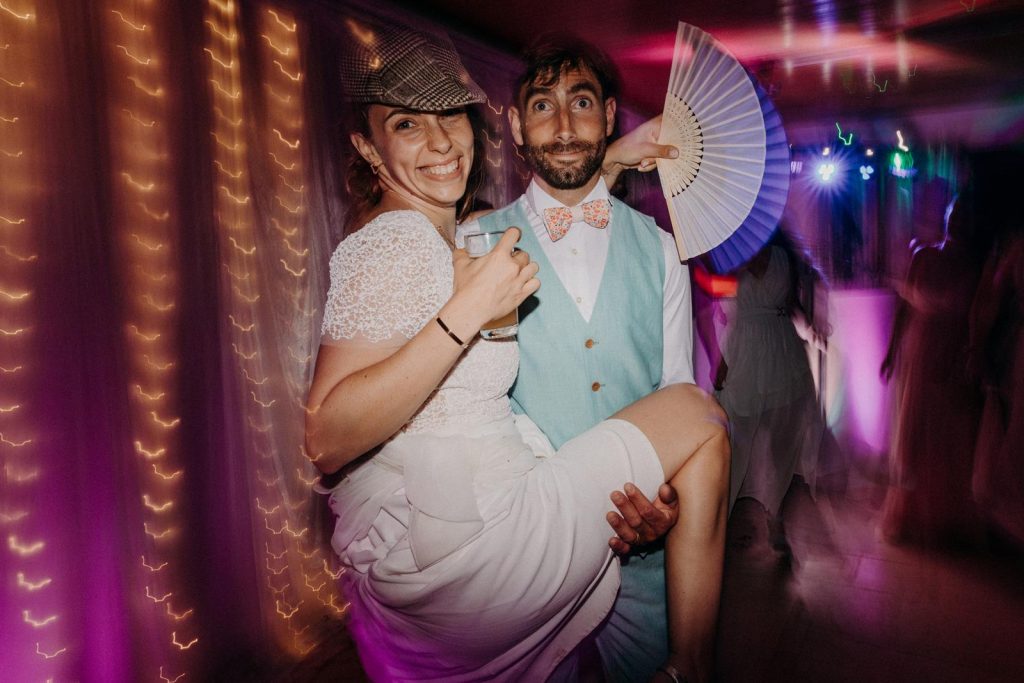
(451, 334)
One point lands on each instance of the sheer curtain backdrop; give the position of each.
(169, 203)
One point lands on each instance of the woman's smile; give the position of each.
(443, 171)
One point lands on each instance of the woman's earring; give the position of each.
(375, 167)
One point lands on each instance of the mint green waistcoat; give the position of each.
(574, 373)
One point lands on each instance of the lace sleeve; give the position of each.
(387, 280)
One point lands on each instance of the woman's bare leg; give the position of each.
(688, 430)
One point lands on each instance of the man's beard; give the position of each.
(566, 177)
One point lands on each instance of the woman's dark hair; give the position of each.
(478, 171)
(802, 269)
(362, 187)
(553, 53)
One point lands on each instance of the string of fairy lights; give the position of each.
(287, 238)
(146, 224)
(266, 295)
(266, 290)
(30, 581)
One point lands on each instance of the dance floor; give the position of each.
(849, 607)
(852, 607)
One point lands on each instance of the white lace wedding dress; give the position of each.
(470, 555)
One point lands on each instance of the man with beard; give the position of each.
(610, 324)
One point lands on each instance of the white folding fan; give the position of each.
(757, 229)
(714, 117)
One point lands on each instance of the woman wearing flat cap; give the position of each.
(473, 550)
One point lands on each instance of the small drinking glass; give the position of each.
(478, 244)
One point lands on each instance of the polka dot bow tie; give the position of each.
(558, 219)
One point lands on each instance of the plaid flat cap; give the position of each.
(406, 68)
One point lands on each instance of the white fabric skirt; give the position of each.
(471, 555)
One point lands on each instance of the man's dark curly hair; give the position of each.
(553, 53)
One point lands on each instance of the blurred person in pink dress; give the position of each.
(938, 406)
(996, 356)
(997, 338)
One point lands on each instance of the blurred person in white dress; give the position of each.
(764, 379)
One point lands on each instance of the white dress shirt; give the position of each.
(579, 260)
